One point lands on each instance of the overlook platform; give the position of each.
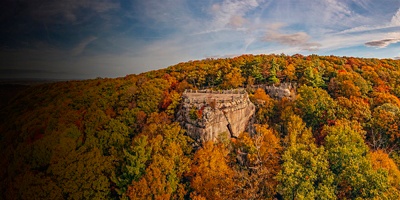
(200, 96)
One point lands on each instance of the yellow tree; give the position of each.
(260, 156)
(210, 175)
(381, 160)
(233, 79)
(265, 105)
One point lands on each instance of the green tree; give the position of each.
(163, 176)
(348, 156)
(134, 165)
(273, 72)
(316, 106)
(305, 170)
(312, 77)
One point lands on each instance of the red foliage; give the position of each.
(166, 101)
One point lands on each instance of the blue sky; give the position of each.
(79, 39)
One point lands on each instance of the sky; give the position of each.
(84, 39)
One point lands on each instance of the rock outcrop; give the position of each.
(206, 114)
(283, 90)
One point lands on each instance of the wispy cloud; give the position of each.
(298, 39)
(82, 45)
(394, 22)
(391, 38)
(382, 43)
(231, 13)
(395, 19)
(158, 14)
(68, 11)
(237, 21)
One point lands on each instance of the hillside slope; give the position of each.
(118, 138)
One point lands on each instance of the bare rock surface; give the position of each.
(206, 114)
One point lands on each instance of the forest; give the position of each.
(119, 139)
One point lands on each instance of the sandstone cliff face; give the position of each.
(208, 114)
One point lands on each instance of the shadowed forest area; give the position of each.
(119, 138)
(9, 91)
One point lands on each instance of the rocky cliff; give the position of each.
(206, 114)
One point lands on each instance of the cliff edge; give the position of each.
(207, 114)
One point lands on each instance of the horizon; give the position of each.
(86, 39)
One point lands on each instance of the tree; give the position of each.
(273, 72)
(210, 175)
(136, 158)
(315, 106)
(384, 127)
(163, 176)
(354, 108)
(114, 138)
(381, 160)
(81, 174)
(30, 185)
(347, 153)
(349, 84)
(312, 77)
(233, 79)
(265, 106)
(151, 95)
(289, 73)
(305, 170)
(259, 157)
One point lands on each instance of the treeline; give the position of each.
(118, 138)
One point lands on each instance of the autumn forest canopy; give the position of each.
(338, 138)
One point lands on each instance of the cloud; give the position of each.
(389, 38)
(163, 14)
(298, 39)
(67, 11)
(237, 21)
(382, 43)
(232, 13)
(82, 45)
(394, 22)
(294, 39)
(395, 19)
(338, 9)
(60, 23)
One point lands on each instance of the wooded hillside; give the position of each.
(118, 138)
